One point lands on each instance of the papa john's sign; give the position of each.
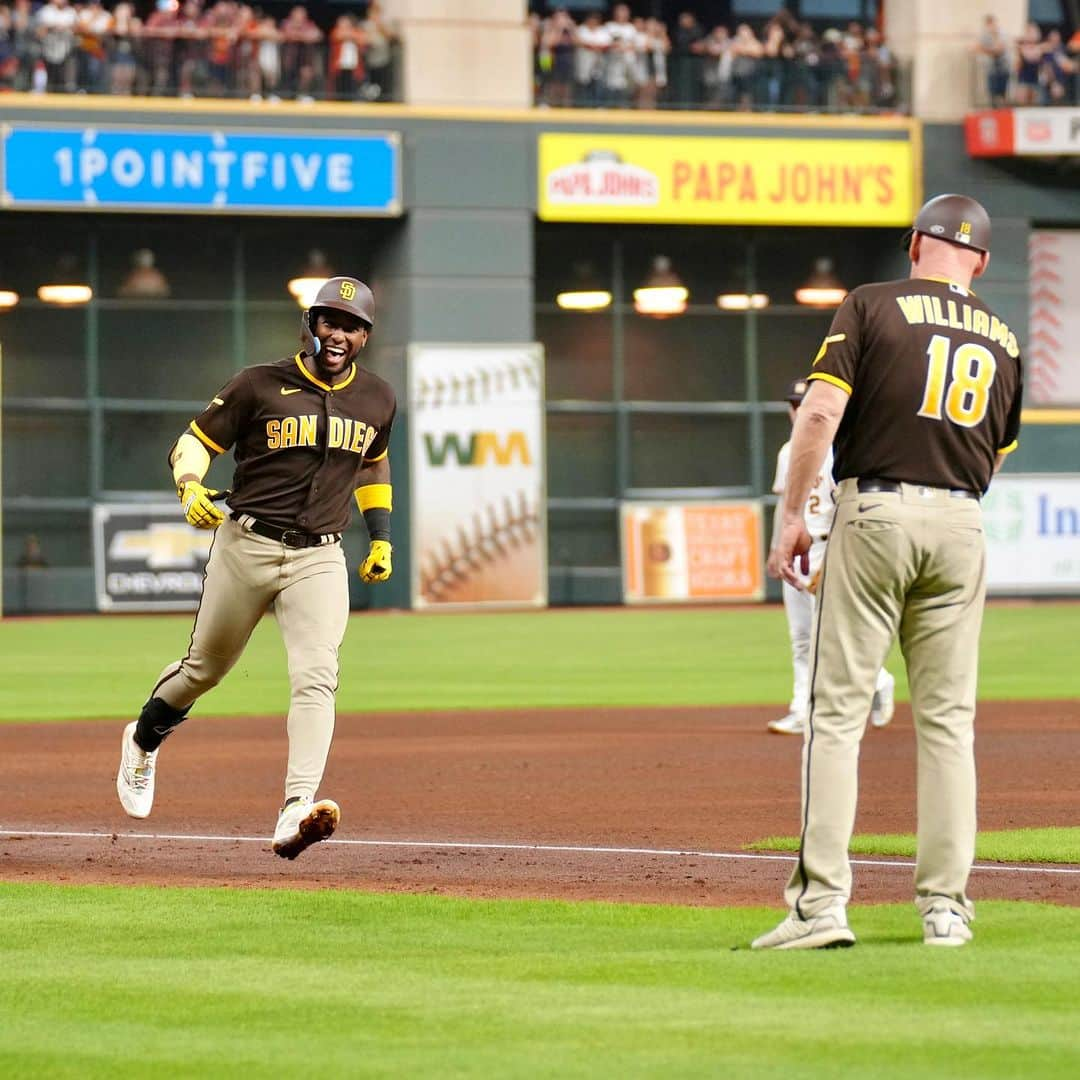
(716, 180)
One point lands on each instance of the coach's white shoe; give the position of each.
(827, 930)
(792, 724)
(135, 779)
(303, 823)
(942, 925)
(884, 703)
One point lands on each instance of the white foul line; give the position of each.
(581, 849)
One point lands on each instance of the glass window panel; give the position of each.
(578, 350)
(273, 332)
(156, 352)
(194, 253)
(581, 455)
(688, 451)
(44, 446)
(63, 537)
(137, 447)
(44, 351)
(742, 8)
(1046, 11)
(689, 358)
(583, 538)
(831, 9)
(787, 345)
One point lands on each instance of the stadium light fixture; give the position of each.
(586, 292)
(663, 295)
(144, 281)
(822, 288)
(742, 301)
(316, 272)
(67, 289)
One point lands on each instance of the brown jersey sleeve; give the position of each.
(380, 445)
(220, 423)
(1010, 439)
(837, 360)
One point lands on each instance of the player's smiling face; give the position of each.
(341, 336)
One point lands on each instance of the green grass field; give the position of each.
(84, 668)
(147, 982)
(100, 982)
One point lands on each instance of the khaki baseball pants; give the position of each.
(910, 563)
(309, 591)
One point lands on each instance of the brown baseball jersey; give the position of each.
(300, 442)
(935, 380)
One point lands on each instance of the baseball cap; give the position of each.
(797, 391)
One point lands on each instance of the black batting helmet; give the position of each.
(959, 219)
(340, 294)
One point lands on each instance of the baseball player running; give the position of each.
(799, 602)
(920, 383)
(309, 433)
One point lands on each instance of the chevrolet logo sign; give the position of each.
(163, 546)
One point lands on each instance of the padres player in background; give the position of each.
(920, 383)
(799, 602)
(309, 432)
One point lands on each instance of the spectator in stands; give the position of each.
(652, 75)
(687, 83)
(346, 59)
(23, 44)
(558, 45)
(621, 61)
(747, 52)
(593, 42)
(719, 63)
(93, 25)
(1029, 50)
(189, 45)
(804, 89)
(380, 35)
(834, 70)
(1057, 70)
(265, 70)
(124, 44)
(55, 23)
(776, 51)
(994, 46)
(159, 35)
(301, 64)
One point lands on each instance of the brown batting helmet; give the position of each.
(341, 294)
(957, 219)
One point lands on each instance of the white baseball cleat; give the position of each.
(135, 778)
(942, 925)
(884, 703)
(303, 823)
(827, 930)
(792, 724)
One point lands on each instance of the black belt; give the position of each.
(292, 538)
(867, 484)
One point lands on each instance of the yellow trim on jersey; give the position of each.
(318, 382)
(198, 431)
(372, 460)
(374, 497)
(1010, 448)
(967, 289)
(830, 379)
(830, 340)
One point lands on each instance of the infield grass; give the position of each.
(101, 982)
(1051, 845)
(104, 666)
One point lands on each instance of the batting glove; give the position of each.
(198, 507)
(377, 567)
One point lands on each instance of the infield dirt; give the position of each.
(687, 779)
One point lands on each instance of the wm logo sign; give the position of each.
(479, 448)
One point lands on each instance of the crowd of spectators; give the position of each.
(222, 49)
(1033, 69)
(625, 62)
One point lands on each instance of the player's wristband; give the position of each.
(377, 520)
(372, 496)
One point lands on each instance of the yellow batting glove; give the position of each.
(377, 566)
(198, 508)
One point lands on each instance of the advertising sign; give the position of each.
(722, 179)
(120, 168)
(1052, 370)
(147, 557)
(477, 476)
(1032, 525)
(707, 552)
(1023, 132)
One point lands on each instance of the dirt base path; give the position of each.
(673, 782)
